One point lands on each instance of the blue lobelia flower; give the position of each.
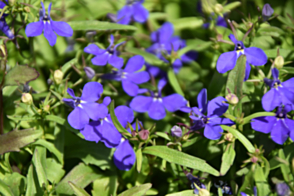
(282, 189)
(212, 121)
(85, 107)
(49, 26)
(109, 55)
(105, 131)
(267, 11)
(3, 25)
(129, 76)
(279, 126)
(163, 44)
(156, 104)
(281, 93)
(228, 60)
(195, 181)
(132, 10)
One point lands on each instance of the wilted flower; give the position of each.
(176, 131)
(109, 55)
(90, 73)
(228, 60)
(132, 10)
(281, 93)
(85, 107)
(3, 25)
(156, 104)
(282, 189)
(279, 126)
(267, 11)
(212, 121)
(130, 76)
(49, 26)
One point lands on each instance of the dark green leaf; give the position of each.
(20, 75)
(180, 158)
(78, 190)
(227, 159)
(98, 26)
(137, 190)
(14, 140)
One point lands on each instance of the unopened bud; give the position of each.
(267, 11)
(232, 98)
(46, 108)
(279, 62)
(229, 137)
(176, 131)
(27, 98)
(218, 8)
(58, 76)
(27, 9)
(207, 6)
(143, 134)
(254, 159)
(90, 73)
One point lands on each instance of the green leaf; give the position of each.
(270, 31)
(67, 66)
(235, 82)
(196, 45)
(20, 74)
(5, 189)
(289, 70)
(180, 158)
(237, 134)
(148, 57)
(272, 53)
(17, 183)
(286, 171)
(78, 190)
(248, 181)
(54, 170)
(31, 187)
(51, 148)
(106, 185)
(40, 169)
(137, 190)
(229, 7)
(227, 159)
(98, 26)
(174, 82)
(247, 119)
(115, 121)
(63, 122)
(187, 23)
(260, 181)
(183, 193)
(220, 192)
(81, 175)
(139, 159)
(163, 135)
(14, 140)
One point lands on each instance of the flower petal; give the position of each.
(263, 124)
(247, 71)
(141, 103)
(134, 64)
(255, 56)
(124, 15)
(233, 39)
(189, 56)
(289, 84)
(174, 102)
(110, 135)
(62, 28)
(280, 132)
(71, 92)
(212, 132)
(275, 73)
(90, 132)
(130, 88)
(124, 115)
(94, 49)
(221, 121)
(139, 77)
(92, 91)
(290, 125)
(163, 34)
(156, 110)
(78, 118)
(34, 29)
(217, 107)
(49, 34)
(140, 13)
(202, 100)
(100, 59)
(177, 65)
(286, 95)
(226, 61)
(124, 156)
(95, 111)
(271, 100)
(116, 61)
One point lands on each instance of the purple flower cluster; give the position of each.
(163, 44)
(49, 26)
(3, 25)
(212, 121)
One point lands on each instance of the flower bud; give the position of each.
(267, 11)
(144, 134)
(90, 73)
(27, 9)
(58, 76)
(46, 108)
(176, 131)
(254, 159)
(218, 8)
(207, 6)
(27, 98)
(232, 99)
(279, 62)
(229, 137)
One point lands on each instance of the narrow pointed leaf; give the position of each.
(98, 26)
(137, 190)
(261, 182)
(78, 190)
(40, 169)
(174, 82)
(227, 159)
